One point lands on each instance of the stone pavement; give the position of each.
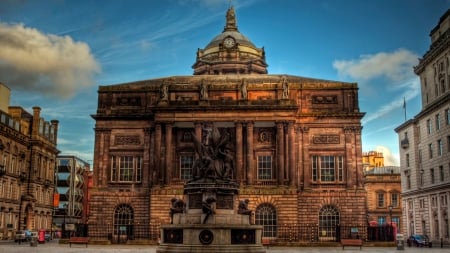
(55, 247)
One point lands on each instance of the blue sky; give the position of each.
(55, 53)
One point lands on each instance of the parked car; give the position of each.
(419, 241)
(20, 236)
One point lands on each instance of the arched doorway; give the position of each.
(266, 215)
(123, 223)
(328, 220)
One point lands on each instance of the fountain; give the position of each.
(209, 219)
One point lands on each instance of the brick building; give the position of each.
(296, 142)
(383, 186)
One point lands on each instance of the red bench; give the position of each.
(79, 240)
(351, 242)
(265, 242)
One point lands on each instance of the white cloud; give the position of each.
(55, 66)
(396, 66)
(390, 159)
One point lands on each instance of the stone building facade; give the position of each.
(425, 143)
(296, 151)
(27, 165)
(383, 187)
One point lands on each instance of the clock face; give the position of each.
(229, 42)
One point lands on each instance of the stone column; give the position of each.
(169, 173)
(358, 158)
(292, 163)
(239, 149)
(299, 158)
(280, 152)
(146, 171)
(157, 166)
(250, 169)
(306, 167)
(349, 174)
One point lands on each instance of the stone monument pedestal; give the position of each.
(222, 230)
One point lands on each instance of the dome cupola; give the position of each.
(230, 53)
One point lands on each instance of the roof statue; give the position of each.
(231, 20)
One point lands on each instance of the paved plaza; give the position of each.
(55, 247)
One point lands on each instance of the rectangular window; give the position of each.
(422, 203)
(441, 173)
(430, 150)
(381, 219)
(408, 182)
(432, 175)
(394, 199)
(186, 163)
(407, 160)
(438, 122)
(420, 156)
(429, 126)
(126, 169)
(327, 168)
(340, 168)
(265, 167)
(380, 199)
(315, 168)
(447, 116)
(440, 147)
(448, 143)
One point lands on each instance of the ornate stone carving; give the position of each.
(127, 140)
(265, 135)
(128, 101)
(332, 99)
(326, 139)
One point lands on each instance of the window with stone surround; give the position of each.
(429, 126)
(438, 121)
(186, 163)
(266, 215)
(123, 220)
(126, 169)
(447, 116)
(265, 169)
(329, 218)
(395, 199)
(327, 168)
(381, 199)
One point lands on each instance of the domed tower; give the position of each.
(230, 53)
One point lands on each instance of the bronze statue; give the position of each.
(207, 207)
(178, 206)
(243, 209)
(215, 157)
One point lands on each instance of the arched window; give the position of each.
(123, 220)
(328, 219)
(266, 215)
